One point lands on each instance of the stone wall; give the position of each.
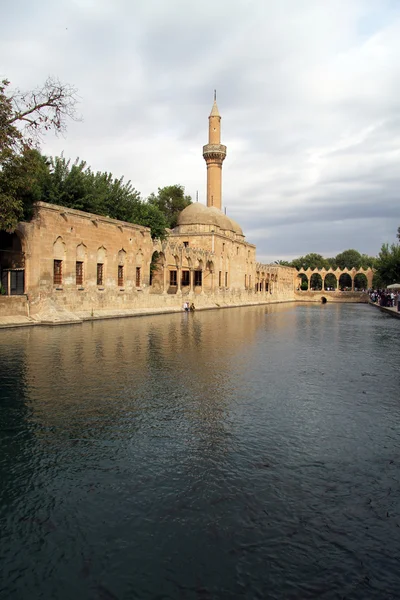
(14, 305)
(79, 264)
(305, 296)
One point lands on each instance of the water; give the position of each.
(245, 453)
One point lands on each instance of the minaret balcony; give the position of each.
(214, 152)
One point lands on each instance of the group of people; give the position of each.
(188, 307)
(386, 298)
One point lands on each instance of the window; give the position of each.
(266, 286)
(226, 279)
(100, 273)
(185, 278)
(245, 281)
(137, 276)
(198, 278)
(223, 247)
(220, 279)
(79, 272)
(172, 278)
(120, 275)
(57, 272)
(237, 250)
(186, 244)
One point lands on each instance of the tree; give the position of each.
(22, 179)
(170, 200)
(75, 185)
(310, 261)
(348, 259)
(24, 118)
(388, 265)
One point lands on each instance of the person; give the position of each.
(186, 306)
(192, 307)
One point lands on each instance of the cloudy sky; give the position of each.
(308, 90)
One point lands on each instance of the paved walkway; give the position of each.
(393, 312)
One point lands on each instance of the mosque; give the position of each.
(66, 265)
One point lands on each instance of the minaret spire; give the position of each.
(214, 154)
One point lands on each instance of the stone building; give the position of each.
(68, 265)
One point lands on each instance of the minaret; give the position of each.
(214, 154)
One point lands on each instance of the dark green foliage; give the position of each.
(24, 118)
(170, 200)
(75, 185)
(348, 258)
(22, 178)
(388, 265)
(310, 261)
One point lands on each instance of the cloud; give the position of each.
(308, 93)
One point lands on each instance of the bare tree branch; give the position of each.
(45, 108)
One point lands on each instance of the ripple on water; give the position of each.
(246, 453)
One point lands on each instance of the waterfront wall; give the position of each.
(343, 297)
(77, 265)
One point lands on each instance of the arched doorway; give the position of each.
(360, 282)
(330, 282)
(12, 265)
(345, 283)
(316, 281)
(157, 272)
(303, 282)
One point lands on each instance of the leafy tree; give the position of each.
(75, 185)
(312, 261)
(151, 216)
(170, 200)
(388, 265)
(22, 178)
(283, 263)
(24, 118)
(349, 259)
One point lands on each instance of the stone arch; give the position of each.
(345, 281)
(139, 258)
(101, 265)
(330, 281)
(157, 267)
(101, 255)
(81, 252)
(303, 284)
(360, 281)
(59, 249)
(80, 264)
(59, 255)
(316, 282)
(121, 257)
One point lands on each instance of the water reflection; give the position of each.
(245, 453)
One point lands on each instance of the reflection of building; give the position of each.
(68, 260)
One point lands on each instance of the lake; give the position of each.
(242, 453)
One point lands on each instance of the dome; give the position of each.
(236, 227)
(198, 214)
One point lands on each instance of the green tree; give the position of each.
(24, 118)
(349, 259)
(170, 200)
(22, 179)
(75, 185)
(310, 261)
(388, 265)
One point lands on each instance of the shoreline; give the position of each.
(87, 316)
(393, 312)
